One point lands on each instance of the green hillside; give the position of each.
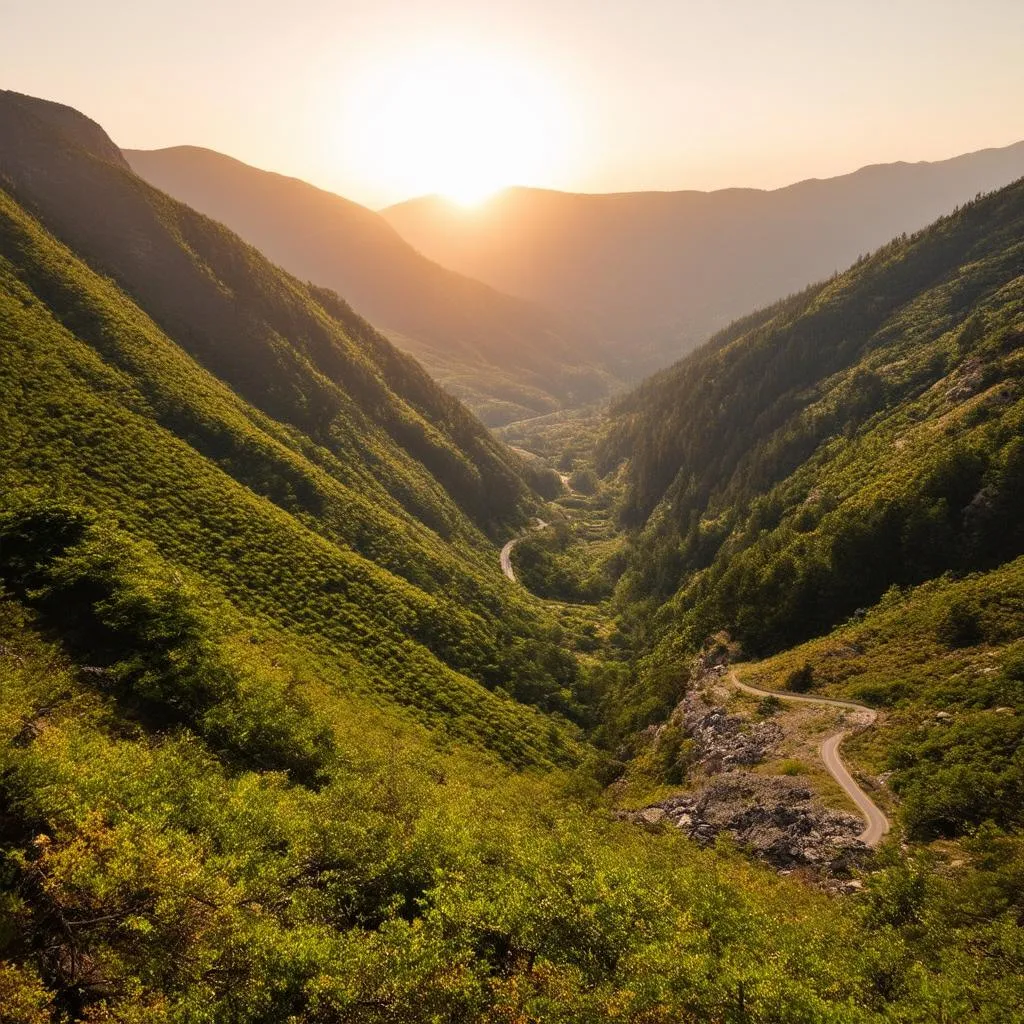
(278, 742)
(506, 358)
(863, 434)
(945, 661)
(337, 531)
(849, 465)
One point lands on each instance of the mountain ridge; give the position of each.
(658, 272)
(506, 357)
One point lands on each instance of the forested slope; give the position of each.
(863, 434)
(504, 357)
(848, 465)
(277, 742)
(335, 504)
(300, 356)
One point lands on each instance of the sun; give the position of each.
(452, 122)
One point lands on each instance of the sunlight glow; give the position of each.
(453, 122)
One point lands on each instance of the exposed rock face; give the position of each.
(775, 818)
(723, 740)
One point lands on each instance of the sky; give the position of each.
(380, 100)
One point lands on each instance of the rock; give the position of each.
(723, 740)
(774, 818)
(652, 815)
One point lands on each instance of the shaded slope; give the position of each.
(657, 272)
(313, 515)
(300, 356)
(506, 358)
(166, 453)
(864, 434)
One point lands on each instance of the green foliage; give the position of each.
(864, 434)
(120, 420)
(414, 886)
(959, 626)
(410, 885)
(956, 775)
(674, 753)
(952, 734)
(141, 630)
(801, 679)
(552, 566)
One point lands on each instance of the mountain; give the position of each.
(836, 481)
(277, 740)
(166, 378)
(506, 358)
(654, 273)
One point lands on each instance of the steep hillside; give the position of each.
(863, 435)
(656, 272)
(300, 356)
(277, 741)
(329, 504)
(945, 662)
(504, 357)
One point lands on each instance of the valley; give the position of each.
(327, 697)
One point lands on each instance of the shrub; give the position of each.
(800, 680)
(960, 626)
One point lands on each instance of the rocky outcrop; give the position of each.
(774, 818)
(723, 741)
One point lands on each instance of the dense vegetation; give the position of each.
(864, 434)
(852, 457)
(149, 874)
(279, 743)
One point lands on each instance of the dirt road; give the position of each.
(876, 823)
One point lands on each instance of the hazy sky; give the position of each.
(588, 95)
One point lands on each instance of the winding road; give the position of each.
(876, 823)
(506, 551)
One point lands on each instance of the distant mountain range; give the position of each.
(654, 273)
(506, 357)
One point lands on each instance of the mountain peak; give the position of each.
(36, 121)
